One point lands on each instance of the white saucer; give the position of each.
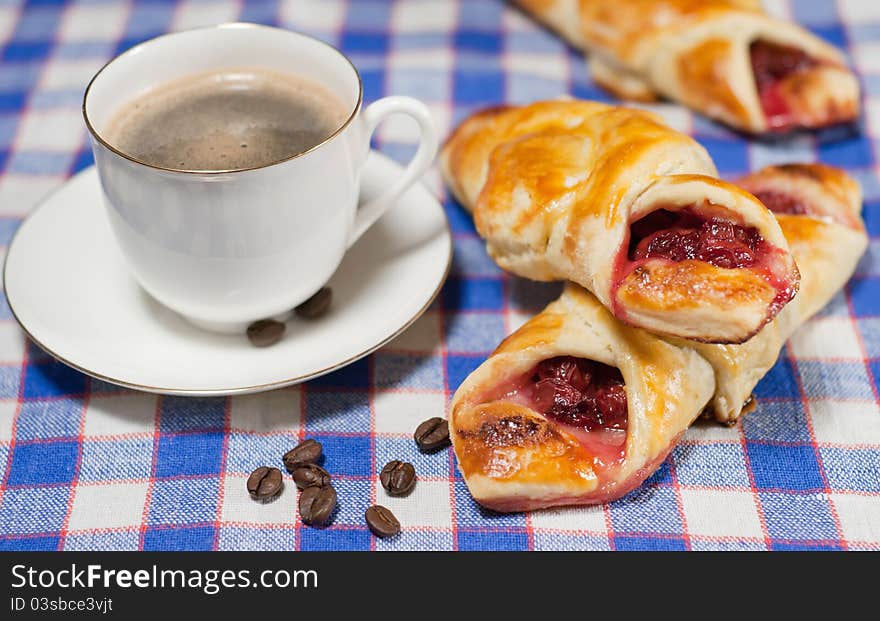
(69, 289)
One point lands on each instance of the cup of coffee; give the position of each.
(230, 162)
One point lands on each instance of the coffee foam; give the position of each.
(226, 120)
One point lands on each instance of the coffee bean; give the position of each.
(265, 332)
(264, 483)
(381, 521)
(310, 475)
(316, 504)
(306, 452)
(398, 477)
(432, 434)
(316, 305)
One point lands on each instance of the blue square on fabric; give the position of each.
(38, 23)
(484, 41)
(17, 51)
(871, 215)
(337, 411)
(328, 539)
(849, 153)
(794, 517)
(427, 84)
(364, 42)
(534, 41)
(8, 129)
(661, 476)
(874, 367)
(52, 379)
(473, 294)
(187, 538)
(780, 381)
(403, 370)
(731, 156)
(33, 509)
(355, 375)
(367, 15)
(715, 465)
(523, 88)
(43, 463)
(354, 496)
(373, 81)
(783, 467)
(153, 18)
(258, 539)
(482, 15)
(8, 227)
(182, 501)
(189, 454)
(835, 380)
(478, 87)
(647, 510)
(852, 469)
(494, 540)
(869, 329)
(259, 12)
(864, 296)
(470, 258)
(777, 421)
(48, 543)
(190, 414)
(833, 33)
(246, 451)
(636, 543)
(83, 160)
(460, 221)
(402, 41)
(474, 332)
(40, 162)
(10, 376)
(345, 455)
(53, 418)
(117, 459)
(812, 13)
(459, 366)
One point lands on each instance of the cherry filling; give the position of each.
(778, 202)
(771, 64)
(585, 397)
(685, 235)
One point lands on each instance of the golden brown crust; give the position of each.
(698, 52)
(554, 186)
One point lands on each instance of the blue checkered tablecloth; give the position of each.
(85, 465)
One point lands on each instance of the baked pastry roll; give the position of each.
(617, 202)
(818, 208)
(725, 58)
(576, 407)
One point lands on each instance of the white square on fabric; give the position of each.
(428, 505)
(51, 130)
(827, 337)
(199, 14)
(777, 8)
(859, 517)
(7, 22)
(534, 63)
(858, 11)
(867, 56)
(94, 22)
(401, 412)
(12, 342)
(114, 415)
(872, 113)
(845, 422)
(423, 16)
(422, 337)
(516, 319)
(711, 431)
(677, 117)
(7, 415)
(322, 15)
(64, 73)
(276, 410)
(721, 513)
(240, 508)
(21, 193)
(108, 505)
(575, 519)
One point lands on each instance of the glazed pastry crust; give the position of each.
(697, 52)
(555, 185)
(514, 458)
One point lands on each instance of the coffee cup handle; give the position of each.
(375, 113)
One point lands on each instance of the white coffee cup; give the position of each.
(226, 248)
